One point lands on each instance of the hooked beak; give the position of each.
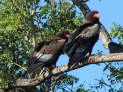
(67, 35)
(96, 15)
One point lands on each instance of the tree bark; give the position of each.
(114, 57)
(104, 36)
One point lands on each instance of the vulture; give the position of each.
(84, 38)
(47, 53)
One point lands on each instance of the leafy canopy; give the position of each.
(23, 24)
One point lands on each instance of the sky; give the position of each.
(110, 11)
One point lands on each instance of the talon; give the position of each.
(91, 59)
(52, 67)
(44, 70)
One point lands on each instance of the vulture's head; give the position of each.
(92, 16)
(63, 34)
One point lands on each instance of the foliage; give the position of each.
(62, 82)
(24, 23)
(14, 47)
(117, 32)
(116, 69)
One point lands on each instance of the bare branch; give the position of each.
(113, 47)
(83, 7)
(96, 59)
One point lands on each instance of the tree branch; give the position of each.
(112, 46)
(83, 7)
(96, 59)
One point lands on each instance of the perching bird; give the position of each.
(84, 38)
(47, 53)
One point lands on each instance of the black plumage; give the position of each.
(47, 53)
(84, 38)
